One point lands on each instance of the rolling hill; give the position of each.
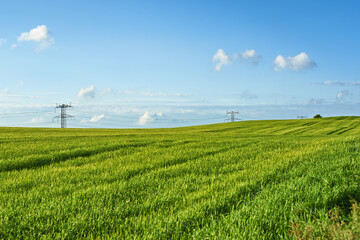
(274, 179)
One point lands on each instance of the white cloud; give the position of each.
(13, 46)
(2, 42)
(341, 95)
(149, 117)
(97, 118)
(94, 119)
(280, 63)
(221, 58)
(87, 93)
(40, 34)
(338, 83)
(300, 62)
(37, 120)
(251, 56)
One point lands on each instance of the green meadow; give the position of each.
(278, 179)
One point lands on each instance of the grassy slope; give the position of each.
(234, 180)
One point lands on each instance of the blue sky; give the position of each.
(177, 63)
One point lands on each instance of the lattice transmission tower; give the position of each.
(232, 116)
(63, 116)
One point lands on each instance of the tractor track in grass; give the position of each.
(35, 161)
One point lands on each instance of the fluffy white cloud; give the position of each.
(300, 62)
(221, 58)
(40, 34)
(87, 93)
(149, 117)
(251, 56)
(2, 42)
(13, 46)
(341, 95)
(280, 63)
(93, 119)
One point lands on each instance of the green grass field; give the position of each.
(244, 180)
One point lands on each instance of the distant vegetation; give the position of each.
(291, 179)
(317, 116)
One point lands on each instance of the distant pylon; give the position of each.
(232, 116)
(63, 116)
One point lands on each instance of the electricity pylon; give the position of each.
(63, 116)
(232, 116)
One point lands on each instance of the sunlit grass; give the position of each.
(257, 179)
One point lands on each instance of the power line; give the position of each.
(30, 124)
(33, 124)
(23, 113)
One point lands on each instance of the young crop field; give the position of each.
(278, 179)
